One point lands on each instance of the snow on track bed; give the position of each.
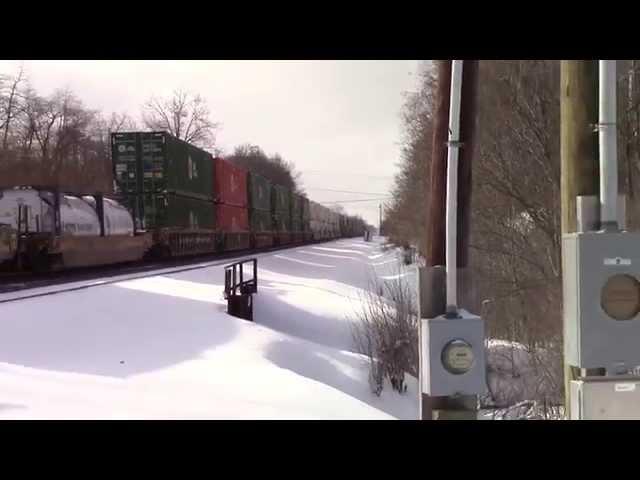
(13, 282)
(60, 284)
(113, 279)
(163, 346)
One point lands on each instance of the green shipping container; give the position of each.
(296, 225)
(158, 162)
(259, 191)
(281, 198)
(296, 207)
(306, 212)
(260, 221)
(282, 222)
(172, 211)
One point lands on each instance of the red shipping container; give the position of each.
(230, 183)
(232, 219)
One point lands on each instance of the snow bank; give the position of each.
(164, 347)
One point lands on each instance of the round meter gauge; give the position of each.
(457, 357)
(620, 297)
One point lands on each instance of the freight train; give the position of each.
(170, 199)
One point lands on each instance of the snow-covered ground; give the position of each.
(164, 347)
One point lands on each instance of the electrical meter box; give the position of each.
(601, 275)
(602, 398)
(453, 355)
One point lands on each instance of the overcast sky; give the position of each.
(338, 121)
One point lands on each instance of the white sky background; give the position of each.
(338, 121)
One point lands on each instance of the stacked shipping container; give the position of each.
(324, 223)
(260, 220)
(163, 164)
(157, 173)
(172, 186)
(300, 215)
(230, 187)
(167, 185)
(306, 218)
(296, 218)
(315, 222)
(281, 199)
(334, 224)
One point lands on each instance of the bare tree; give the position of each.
(59, 138)
(119, 122)
(405, 216)
(515, 237)
(43, 114)
(10, 103)
(274, 167)
(184, 115)
(386, 332)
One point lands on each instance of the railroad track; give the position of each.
(16, 282)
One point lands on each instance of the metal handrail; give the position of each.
(235, 282)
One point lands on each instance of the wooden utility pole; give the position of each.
(578, 150)
(437, 186)
(432, 279)
(438, 182)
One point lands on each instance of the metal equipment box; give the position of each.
(602, 300)
(602, 398)
(439, 336)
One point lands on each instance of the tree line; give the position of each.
(57, 135)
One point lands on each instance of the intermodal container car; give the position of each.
(146, 162)
(281, 199)
(259, 192)
(230, 184)
(231, 219)
(296, 225)
(157, 211)
(282, 222)
(260, 221)
(306, 212)
(296, 207)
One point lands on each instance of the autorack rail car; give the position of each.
(46, 230)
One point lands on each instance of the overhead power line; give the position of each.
(344, 191)
(359, 200)
(353, 174)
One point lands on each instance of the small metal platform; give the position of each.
(238, 290)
